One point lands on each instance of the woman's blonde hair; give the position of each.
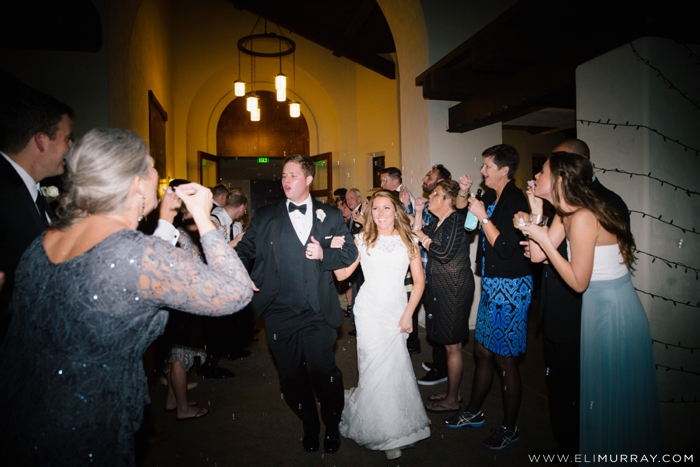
(100, 168)
(401, 224)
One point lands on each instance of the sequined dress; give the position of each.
(385, 410)
(71, 375)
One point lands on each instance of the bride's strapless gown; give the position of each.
(385, 410)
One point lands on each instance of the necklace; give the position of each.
(446, 216)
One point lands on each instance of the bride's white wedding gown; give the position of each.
(385, 410)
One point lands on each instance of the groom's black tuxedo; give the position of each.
(264, 241)
(20, 224)
(300, 304)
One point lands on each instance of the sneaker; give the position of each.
(427, 366)
(465, 418)
(392, 454)
(501, 438)
(431, 378)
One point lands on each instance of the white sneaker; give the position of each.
(392, 454)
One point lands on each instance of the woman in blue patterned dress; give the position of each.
(506, 292)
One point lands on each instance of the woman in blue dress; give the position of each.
(506, 292)
(619, 402)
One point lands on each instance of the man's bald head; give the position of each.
(574, 146)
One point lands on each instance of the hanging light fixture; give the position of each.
(281, 86)
(255, 115)
(251, 102)
(283, 46)
(294, 107)
(239, 85)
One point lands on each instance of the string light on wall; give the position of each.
(265, 45)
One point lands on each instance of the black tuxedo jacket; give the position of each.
(20, 224)
(261, 243)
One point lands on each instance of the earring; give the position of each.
(143, 207)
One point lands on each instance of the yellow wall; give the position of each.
(140, 60)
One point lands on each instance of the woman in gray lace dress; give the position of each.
(89, 300)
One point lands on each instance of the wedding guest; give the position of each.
(560, 311)
(219, 194)
(437, 369)
(506, 292)
(90, 298)
(450, 286)
(36, 131)
(619, 401)
(178, 336)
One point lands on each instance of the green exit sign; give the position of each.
(263, 160)
(320, 163)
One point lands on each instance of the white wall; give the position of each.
(620, 88)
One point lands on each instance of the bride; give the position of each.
(384, 412)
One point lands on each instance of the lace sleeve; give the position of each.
(177, 280)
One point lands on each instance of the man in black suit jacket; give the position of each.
(560, 307)
(35, 134)
(293, 274)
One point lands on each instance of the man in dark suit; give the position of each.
(560, 307)
(35, 133)
(293, 276)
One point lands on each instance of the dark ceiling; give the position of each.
(354, 29)
(522, 62)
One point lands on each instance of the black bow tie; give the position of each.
(293, 207)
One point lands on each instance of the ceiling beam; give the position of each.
(470, 115)
(363, 12)
(320, 34)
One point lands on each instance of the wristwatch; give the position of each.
(485, 221)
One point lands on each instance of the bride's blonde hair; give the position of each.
(401, 224)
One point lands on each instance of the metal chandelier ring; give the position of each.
(246, 41)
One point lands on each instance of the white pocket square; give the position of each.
(326, 238)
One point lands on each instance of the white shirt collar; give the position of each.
(32, 186)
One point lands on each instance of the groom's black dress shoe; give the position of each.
(331, 443)
(310, 443)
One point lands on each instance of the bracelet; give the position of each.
(414, 227)
(426, 241)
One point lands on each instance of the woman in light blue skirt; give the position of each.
(619, 395)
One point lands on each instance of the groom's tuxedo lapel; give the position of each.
(19, 196)
(276, 225)
(316, 225)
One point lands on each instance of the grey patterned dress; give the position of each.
(71, 374)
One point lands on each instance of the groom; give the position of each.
(293, 272)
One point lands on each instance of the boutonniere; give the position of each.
(49, 191)
(320, 214)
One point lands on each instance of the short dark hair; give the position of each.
(306, 163)
(451, 189)
(236, 198)
(393, 172)
(219, 190)
(504, 155)
(25, 112)
(443, 173)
